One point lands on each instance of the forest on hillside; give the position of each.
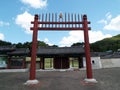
(107, 44)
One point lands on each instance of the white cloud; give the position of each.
(74, 36)
(105, 21)
(4, 23)
(111, 23)
(78, 36)
(2, 36)
(35, 3)
(24, 20)
(108, 16)
(47, 41)
(97, 35)
(114, 24)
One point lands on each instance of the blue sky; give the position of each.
(16, 15)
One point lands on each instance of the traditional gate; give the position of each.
(60, 22)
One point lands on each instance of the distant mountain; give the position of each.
(107, 44)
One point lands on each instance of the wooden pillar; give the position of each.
(42, 65)
(80, 61)
(51, 62)
(34, 49)
(87, 48)
(73, 62)
(24, 62)
(9, 62)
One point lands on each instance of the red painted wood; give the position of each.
(87, 48)
(60, 25)
(34, 50)
(60, 22)
(60, 28)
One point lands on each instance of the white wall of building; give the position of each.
(95, 61)
(98, 63)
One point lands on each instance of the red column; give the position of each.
(87, 48)
(34, 49)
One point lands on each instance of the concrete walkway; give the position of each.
(108, 79)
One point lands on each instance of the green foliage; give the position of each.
(106, 44)
(19, 45)
(29, 44)
(54, 46)
(24, 45)
(41, 43)
(77, 44)
(4, 43)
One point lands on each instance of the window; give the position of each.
(93, 62)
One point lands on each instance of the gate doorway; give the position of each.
(48, 63)
(61, 62)
(76, 62)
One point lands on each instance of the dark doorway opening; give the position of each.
(61, 62)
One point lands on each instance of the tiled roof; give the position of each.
(20, 51)
(60, 50)
(6, 48)
(112, 55)
(106, 55)
(48, 51)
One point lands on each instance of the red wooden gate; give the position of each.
(66, 22)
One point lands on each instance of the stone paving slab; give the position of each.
(108, 79)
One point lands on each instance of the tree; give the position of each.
(54, 46)
(41, 43)
(5, 43)
(19, 45)
(78, 44)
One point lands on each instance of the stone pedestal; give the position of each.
(31, 82)
(90, 80)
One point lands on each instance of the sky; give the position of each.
(16, 17)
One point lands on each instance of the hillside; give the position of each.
(106, 44)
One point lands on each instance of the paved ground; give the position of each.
(108, 79)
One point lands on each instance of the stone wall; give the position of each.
(111, 62)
